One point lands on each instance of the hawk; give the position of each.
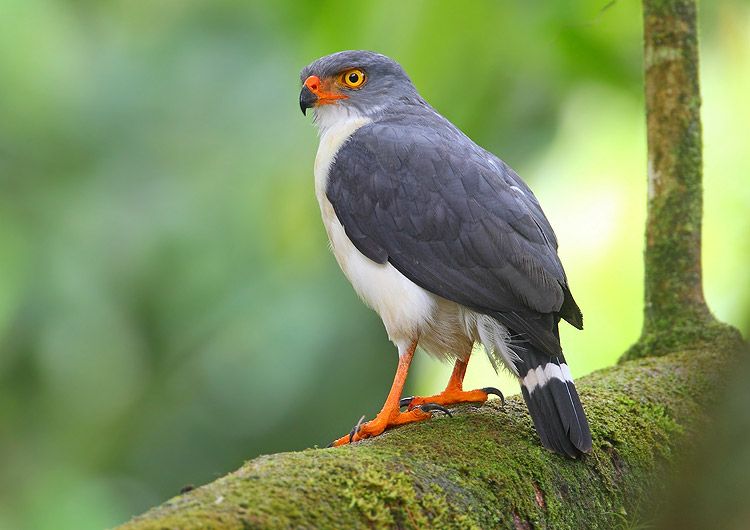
(444, 241)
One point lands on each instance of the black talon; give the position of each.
(493, 390)
(355, 430)
(405, 402)
(431, 407)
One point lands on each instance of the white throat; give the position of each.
(327, 117)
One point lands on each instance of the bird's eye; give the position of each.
(353, 78)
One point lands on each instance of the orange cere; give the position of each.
(324, 89)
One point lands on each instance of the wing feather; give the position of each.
(455, 220)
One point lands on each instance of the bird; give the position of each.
(444, 241)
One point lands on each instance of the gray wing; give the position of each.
(456, 221)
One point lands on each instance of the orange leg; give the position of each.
(390, 415)
(454, 392)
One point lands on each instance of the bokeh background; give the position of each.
(168, 304)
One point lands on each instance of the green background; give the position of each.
(168, 304)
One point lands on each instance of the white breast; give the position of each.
(404, 307)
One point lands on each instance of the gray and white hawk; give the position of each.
(444, 241)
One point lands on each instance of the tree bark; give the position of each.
(484, 468)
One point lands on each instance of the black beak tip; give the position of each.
(306, 100)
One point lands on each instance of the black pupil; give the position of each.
(353, 78)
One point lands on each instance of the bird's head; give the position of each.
(359, 83)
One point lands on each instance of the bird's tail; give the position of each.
(553, 402)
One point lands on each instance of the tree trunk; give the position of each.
(675, 311)
(485, 468)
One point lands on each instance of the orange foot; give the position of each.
(385, 420)
(452, 397)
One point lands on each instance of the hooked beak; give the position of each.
(306, 100)
(315, 93)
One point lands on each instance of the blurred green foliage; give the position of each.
(168, 304)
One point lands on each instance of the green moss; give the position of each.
(484, 468)
(673, 334)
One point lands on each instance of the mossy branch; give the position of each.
(483, 468)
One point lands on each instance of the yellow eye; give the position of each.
(353, 78)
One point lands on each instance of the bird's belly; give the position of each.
(404, 307)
